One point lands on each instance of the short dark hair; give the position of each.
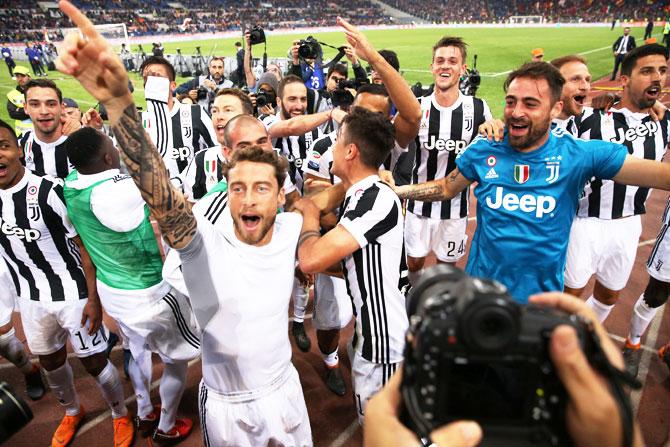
(217, 58)
(632, 57)
(230, 125)
(391, 57)
(452, 41)
(43, 83)
(375, 89)
(257, 154)
(560, 61)
(159, 60)
(84, 147)
(290, 79)
(338, 68)
(4, 125)
(239, 94)
(372, 133)
(537, 71)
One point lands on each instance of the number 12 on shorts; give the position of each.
(98, 337)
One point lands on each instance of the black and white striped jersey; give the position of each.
(36, 241)
(375, 274)
(571, 123)
(294, 148)
(179, 133)
(45, 158)
(203, 172)
(320, 158)
(643, 137)
(444, 133)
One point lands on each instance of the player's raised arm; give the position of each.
(442, 189)
(89, 58)
(647, 173)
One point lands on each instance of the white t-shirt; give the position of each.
(240, 296)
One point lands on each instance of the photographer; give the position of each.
(589, 411)
(202, 89)
(308, 66)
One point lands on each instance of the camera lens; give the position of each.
(14, 412)
(490, 327)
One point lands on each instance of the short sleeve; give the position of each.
(466, 159)
(118, 204)
(269, 121)
(373, 216)
(608, 158)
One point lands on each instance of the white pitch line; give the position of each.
(346, 434)
(645, 360)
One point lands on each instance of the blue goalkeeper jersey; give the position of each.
(526, 203)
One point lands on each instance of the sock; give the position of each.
(173, 383)
(14, 351)
(112, 390)
(414, 276)
(642, 316)
(601, 310)
(331, 360)
(300, 297)
(140, 383)
(62, 385)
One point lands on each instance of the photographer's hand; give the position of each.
(384, 429)
(591, 412)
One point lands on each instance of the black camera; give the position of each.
(309, 48)
(263, 98)
(202, 93)
(14, 412)
(474, 353)
(256, 35)
(341, 97)
(419, 90)
(470, 81)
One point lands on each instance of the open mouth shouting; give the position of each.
(518, 128)
(652, 93)
(3, 170)
(250, 221)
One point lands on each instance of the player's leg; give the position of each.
(615, 264)
(368, 378)
(580, 260)
(450, 239)
(418, 234)
(300, 299)
(332, 311)
(173, 382)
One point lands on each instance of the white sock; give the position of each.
(14, 351)
(62, 385)
(112, 390)
(300, 297)
(331, 360)
(602, 310)
(140, 383)
(414, 276)
(642, 316)
(173, 383)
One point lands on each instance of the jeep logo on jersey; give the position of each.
(643, 130)
(297, 162)
(540, 205)
(30, 234)
(181, 153)
(440, 144)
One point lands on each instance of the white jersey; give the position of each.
(319, 160)
(444, 133)
(45, 158)
(372, 214)
(643, 138)
(240, 296)
(571, 123)
(36, 241)
(203, 172)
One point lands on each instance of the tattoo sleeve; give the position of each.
(426, 192)
(146, 167)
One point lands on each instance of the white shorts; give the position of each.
(658, 265)
(275, 415)
(602, 247)
(158, 320)
(368, 378)
(7, 295)
(332, 305)
(444, 237)
(48, 324)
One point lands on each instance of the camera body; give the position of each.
(256, 35)
(341, 97)
(309, 48)
(474, 353)
(14, 412)
(264, 98)
(202, 93)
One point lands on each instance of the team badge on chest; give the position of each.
(521, 173)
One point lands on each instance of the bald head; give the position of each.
(245, 131)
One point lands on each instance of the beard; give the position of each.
(534, 134)
(243, 235)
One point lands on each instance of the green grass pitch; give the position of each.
(498, 49)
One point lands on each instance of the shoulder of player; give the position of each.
(210, 206)
(322, 144)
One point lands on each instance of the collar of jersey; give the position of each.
(86, 180)
(19, 186)
(362, 184)
(55, 143)
(457, 103)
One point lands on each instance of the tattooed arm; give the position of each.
(88, 57)
(442, 189)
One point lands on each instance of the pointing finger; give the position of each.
(78, 18)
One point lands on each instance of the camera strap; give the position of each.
(617, 380)
(336, 59)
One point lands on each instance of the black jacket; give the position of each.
(630, 45)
